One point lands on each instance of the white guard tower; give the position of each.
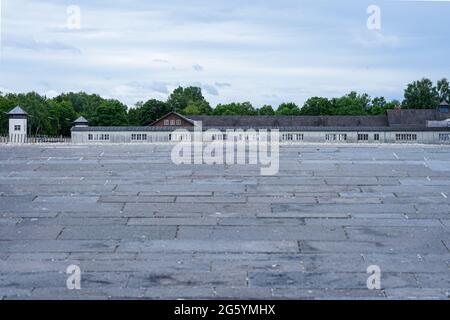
(18, 125)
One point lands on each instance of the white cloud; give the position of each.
(262, 52)
(223, 84)
(210, 89)
(197, 67)
(51, 93)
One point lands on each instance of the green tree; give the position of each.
(443, 88)
(421, 95)
(390, 106)
(266, 110)
(288, 109)
(196, 108)
(152, 110)
(316, 106)
(135, 114)
(110, 113)
(40, 122)
(6, 105)
(83, 103)
(63, 116)
(379, 106)
(351, 104)
(235, 109)
(179, 99)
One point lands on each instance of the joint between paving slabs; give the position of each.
(116, 247)
(443, 243)
(122, 210)
(345, 233)
(37, 168)
(247, 279)
(363, 257)
(60, 233)
(417, 280)
(299, 246)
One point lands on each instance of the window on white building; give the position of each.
(17, 127)
(98, 137)
(292, 137)
(336, 137)
(363, 137)
(138, 137)
(406, 137)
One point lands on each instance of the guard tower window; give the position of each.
(17, 127)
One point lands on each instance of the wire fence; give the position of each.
(21, 138)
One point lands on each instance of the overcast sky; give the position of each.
(265, 52)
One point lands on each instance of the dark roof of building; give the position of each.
(291, 121)
(17, 111)
(413, 118)
(394, 120)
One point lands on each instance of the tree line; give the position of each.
(55, 116)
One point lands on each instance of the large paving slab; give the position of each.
(139, 226)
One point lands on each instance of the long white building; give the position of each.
(397, 126)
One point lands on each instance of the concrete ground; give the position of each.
(140, 227)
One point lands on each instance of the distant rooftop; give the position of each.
(393, 120)
(291, 121)
(81, 120)
(17, 111)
